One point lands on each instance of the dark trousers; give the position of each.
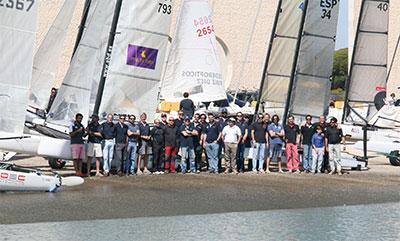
(221, 146)
(158, 153)
(120, 156)
(325, 163)
(240, 157)
(198, 152)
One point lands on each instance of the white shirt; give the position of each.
(231, 134)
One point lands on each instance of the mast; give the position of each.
(107, 57)
(347, 85)
(82, 24)
(294, 66)
(278, 10)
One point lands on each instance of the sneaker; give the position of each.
(198, 171)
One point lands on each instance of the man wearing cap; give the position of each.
(133, 140)
(231, 135)
(211, 137)
(187, 106)
(187, 146)
(121, 143)
(94, 144)
(108, 132)
(333, 137)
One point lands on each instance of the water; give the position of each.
(365, 222)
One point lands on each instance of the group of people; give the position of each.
(180, 144)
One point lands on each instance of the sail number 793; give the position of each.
(23, 5)
(164, 8)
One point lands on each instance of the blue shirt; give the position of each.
(186, 141)
(276, 140)
(78, 138)
(133, 128)
(318, 140)
(212, 131)
(242, 126)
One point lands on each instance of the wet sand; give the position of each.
(170, 195)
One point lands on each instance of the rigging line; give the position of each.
(393, 58)
(248, 49)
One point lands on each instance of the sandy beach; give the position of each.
(171, 195)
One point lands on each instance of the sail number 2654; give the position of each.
(203, 26)
(23, 5)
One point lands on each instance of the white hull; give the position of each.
(37, 145)
(34, 181)
(383, 147)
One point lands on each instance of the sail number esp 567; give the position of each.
(23, 5)
(327, 6)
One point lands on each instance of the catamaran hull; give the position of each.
(20, 181)
(39, 146)
(383, 147)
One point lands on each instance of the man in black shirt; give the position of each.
(211, 137)
(108, 132)
(241, 146)
(307, 131)
(292, 140)
(197, 141)
(333, 137)
(76, 133)
(187, 106)
(171, 136)
(259, 137)
(157, 140)
(121, 143)
(94, 144)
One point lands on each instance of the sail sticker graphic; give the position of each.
(141, 56)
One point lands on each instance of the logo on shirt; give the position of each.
(141, 56)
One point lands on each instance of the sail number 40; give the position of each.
(17, 4)
(383, 7)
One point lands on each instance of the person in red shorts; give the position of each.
(171, 135)
(77, 132)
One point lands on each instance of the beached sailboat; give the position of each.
(193, 65)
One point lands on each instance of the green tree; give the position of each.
(340, 69)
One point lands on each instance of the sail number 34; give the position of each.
(23, 5)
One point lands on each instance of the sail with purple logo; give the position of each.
(142, 57)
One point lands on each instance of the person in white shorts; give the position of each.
(94, 144)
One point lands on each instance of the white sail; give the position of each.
(17, 39)
(137, 57)
(48, 56)
(193, 64)
(74, 94)
(280, 62)
(369, 62)
(312, 80)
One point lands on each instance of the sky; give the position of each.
(342, 31)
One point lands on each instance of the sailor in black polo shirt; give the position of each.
(307, 131)
(157, 139)
(94, 144)
(333, 137)
(76, 133)
(121, 144)
(108, 132)
(292, 139)
(211, 138)
(145, 148)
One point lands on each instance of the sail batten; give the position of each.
(18, 32)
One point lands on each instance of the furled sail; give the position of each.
(137, 57)
(48, 55)
(74, 94)
(368, 67)
(17, 39)
(193, 65)
(311, 87)
(281, 55)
